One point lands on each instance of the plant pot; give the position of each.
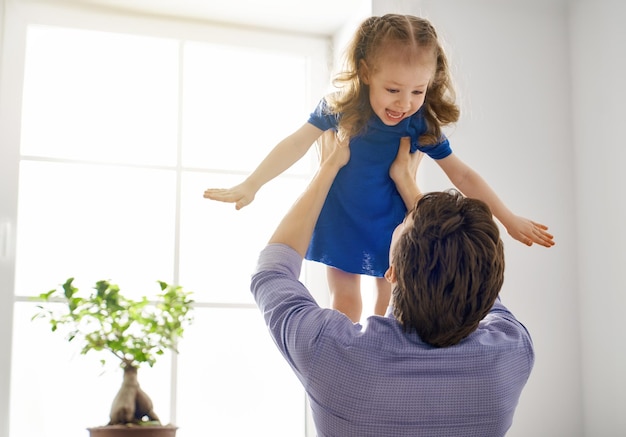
(133, 431)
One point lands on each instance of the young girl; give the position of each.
(395, 84)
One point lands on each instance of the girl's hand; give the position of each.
(241, 195)
(529, 232)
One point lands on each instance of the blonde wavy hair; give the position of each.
(412, 35)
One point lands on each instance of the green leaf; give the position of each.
(68, 288)
(134, 331)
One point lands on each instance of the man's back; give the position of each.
(380, 381)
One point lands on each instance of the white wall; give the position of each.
(542, 94)
(510, 60)
(514, 83)
(598, 48)
(8, 200)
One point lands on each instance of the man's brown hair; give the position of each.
(449, 266)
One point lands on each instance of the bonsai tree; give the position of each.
(134, 332)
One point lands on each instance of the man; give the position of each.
(448, 359)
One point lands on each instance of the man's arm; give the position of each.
(296, 228)
(293, 317)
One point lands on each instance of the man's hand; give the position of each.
(331, 148)
(403, 171)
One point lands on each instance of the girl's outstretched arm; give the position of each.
(471, 184)
(282, 156)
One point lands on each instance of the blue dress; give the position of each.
(363, 206)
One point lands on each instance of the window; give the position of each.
(122, 127)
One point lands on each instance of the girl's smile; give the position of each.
(397, 86)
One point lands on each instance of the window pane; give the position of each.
(234, 382)
(239, 103)
(104, 96)
(94, 222)
(108, 190)
(220, 245)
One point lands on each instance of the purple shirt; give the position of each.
(380, 381)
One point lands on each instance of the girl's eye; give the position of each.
(392, 91)
(417, 92)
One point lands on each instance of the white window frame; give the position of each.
(15, 17)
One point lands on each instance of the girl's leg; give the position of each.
(345, 292)
(383, 296)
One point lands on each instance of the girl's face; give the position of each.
(397, 87)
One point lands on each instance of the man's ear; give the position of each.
(364, 72)
(390, 275)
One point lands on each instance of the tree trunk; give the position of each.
(131, 404)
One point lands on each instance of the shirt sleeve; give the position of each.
(322, 118)
(501, 322)
(294, 318)
(437, 151)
